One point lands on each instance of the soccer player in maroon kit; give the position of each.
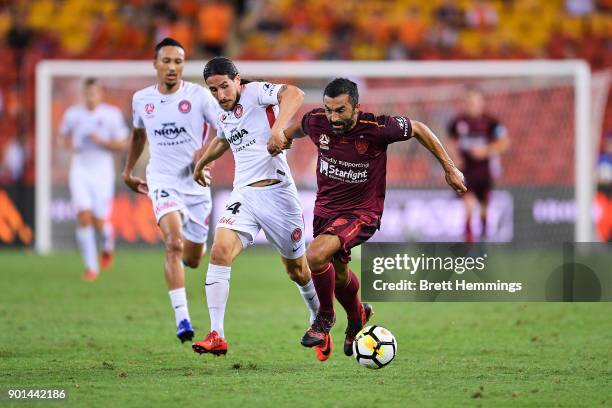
(479, 139)
(351, 177)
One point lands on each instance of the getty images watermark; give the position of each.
(486, 272)
(423, 263)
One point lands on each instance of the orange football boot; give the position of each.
(106, 260)
(90, 276)
(323, 351)
(213, 343)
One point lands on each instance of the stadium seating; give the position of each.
(361, 30)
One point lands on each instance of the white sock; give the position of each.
(86, 238)
(178, 297)
(108, 237)
(217, 290)
(311, 299)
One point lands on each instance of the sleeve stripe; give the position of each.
(371, 123)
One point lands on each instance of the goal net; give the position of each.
(543, 192)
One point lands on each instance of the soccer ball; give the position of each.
(374, 347)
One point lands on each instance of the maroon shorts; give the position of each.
(479, 184)
(352, 229)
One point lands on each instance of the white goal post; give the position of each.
(577, 70)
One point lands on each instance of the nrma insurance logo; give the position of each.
(170, 130)
(333, 171)
(236, 136)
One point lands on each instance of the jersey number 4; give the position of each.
(234, 208)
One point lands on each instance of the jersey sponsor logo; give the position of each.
(333, 171)
(236, 136)
(170, 130)
(149, 108)
(361, 145)
(184, 106)
(238, 111)
(296, 235)
(324, 142)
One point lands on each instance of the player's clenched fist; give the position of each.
(278, 142)
(455, 179)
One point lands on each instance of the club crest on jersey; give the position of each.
(361, 145)
(149, 108)
(184, 106)
(324, 142)
(296, 235)
(238, 111)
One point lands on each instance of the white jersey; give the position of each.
(106, 122)
(247, 129)
(176, 126)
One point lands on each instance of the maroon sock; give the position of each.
(349, 298)
(324, 280)
(468, 230)
(484, 225)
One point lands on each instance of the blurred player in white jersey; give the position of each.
(93, 130)
(254, 117)
(174, 116)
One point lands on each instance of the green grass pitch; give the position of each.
(111, 343)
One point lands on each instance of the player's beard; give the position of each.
(231, 108)
(346, 126)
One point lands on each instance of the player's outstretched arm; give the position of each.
(290, 99)
(427, 138)
(201, 172)
(135, 148)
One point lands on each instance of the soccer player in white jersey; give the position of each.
(264, 195)
(93, 130)
(173, 115)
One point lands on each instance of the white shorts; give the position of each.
(276, 209)
(194, 209)
(92, 192)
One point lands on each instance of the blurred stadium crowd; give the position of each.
(279, 30)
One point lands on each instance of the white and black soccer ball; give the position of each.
(374, 347)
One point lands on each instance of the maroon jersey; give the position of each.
(470, 132)
(352, 167)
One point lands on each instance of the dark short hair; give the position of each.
(342, 86)
(220, 66)
(167, 42)
(473, 88)
(89, 81)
